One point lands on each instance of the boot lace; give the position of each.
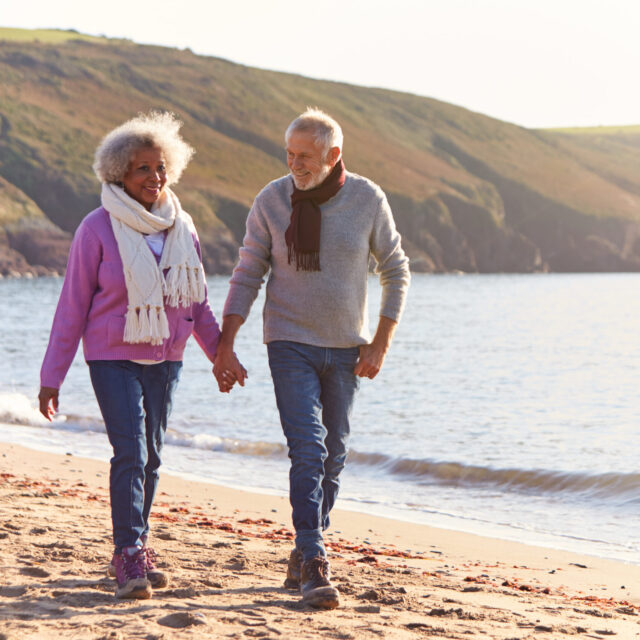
(317, 571)
(150, 558)
(133, 566)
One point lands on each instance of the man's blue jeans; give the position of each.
(315, 388)
(135, 401)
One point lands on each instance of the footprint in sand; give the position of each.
(186, 592)
(35, 572)
(182, 620)
(368, 608)
(13, 592)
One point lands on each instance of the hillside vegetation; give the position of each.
(470, 193)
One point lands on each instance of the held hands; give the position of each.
(48, 399)
(228, 370)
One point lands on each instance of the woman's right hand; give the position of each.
(48, 398)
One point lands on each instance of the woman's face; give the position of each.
(146, 176)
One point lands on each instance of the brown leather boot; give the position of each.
(293, 571)
(317, 591)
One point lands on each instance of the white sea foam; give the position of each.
(16, 408)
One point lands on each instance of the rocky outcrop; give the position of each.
(29, 242)
(545, 233)
(45, 249)
(35, 252)
(12, 263)
(449, 233)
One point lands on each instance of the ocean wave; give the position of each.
(225, 445)
(16, 409)
(536, 481)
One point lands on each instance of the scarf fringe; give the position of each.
(305, 261)
(185, 284)
(147, 324)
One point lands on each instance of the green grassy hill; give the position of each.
(469, 192)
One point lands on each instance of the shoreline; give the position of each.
(438, 520)
(226, 550)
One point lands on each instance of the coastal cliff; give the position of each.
(469, 193)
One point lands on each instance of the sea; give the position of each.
(508, 406)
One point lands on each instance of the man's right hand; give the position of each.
(48, 399)
(228, 370)
(226, 367)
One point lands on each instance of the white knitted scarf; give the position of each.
(146, 319)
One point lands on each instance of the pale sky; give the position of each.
(537, 63)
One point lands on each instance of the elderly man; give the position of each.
(315, 230)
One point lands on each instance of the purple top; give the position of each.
(93, 304)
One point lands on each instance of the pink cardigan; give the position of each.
(93, 303)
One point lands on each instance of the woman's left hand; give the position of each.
(48, 398)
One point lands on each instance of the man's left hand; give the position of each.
(370, 361)
(372, 354)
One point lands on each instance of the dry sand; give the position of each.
(226, 553)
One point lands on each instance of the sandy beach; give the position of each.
(226, 551)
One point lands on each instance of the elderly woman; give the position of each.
(134, 292)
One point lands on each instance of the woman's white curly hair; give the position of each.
(159, 129)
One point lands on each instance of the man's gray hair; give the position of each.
(156, 129)
(325, 129)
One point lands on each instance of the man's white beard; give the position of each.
(316, 180)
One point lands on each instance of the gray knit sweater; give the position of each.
(326, 308)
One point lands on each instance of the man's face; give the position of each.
(304, 157)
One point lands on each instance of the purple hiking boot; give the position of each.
(129, 567)
(157, 579)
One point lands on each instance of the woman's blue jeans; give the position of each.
(315, 388)
(135, 401)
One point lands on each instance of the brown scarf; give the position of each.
(303, 234)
